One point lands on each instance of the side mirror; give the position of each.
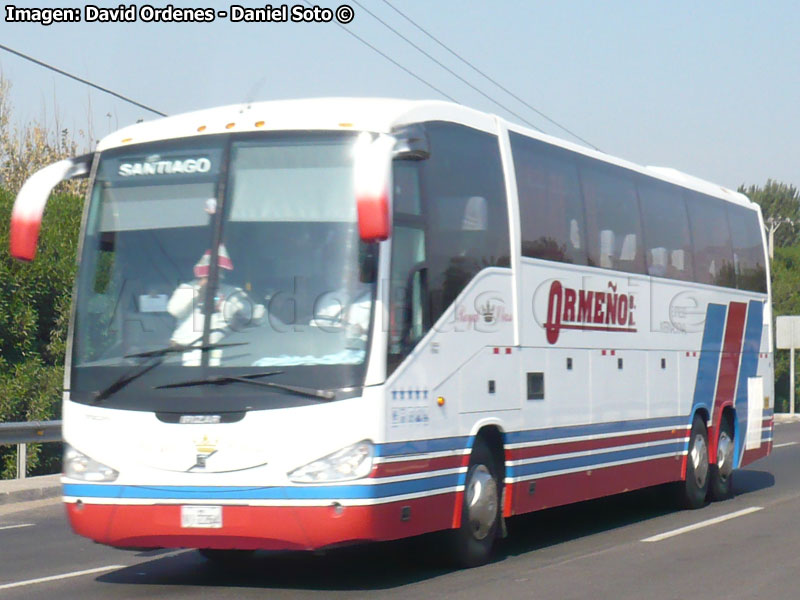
(372, 172)
(411, 143)
(26, 216)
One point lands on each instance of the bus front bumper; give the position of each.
(260, 527)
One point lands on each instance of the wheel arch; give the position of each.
(701, 411)
(491, 431)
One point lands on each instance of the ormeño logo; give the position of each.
(588, 310)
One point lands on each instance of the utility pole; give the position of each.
(771, 225)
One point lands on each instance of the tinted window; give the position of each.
(550, 204)
(405, 179)
(451, 221)
(668, 250)
(713, 257)
(464, 196)
(614, 238)
(748, 250)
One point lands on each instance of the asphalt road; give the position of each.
(589, 550)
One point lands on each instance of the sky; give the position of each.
(709, 88)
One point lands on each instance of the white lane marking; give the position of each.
(784, 444)
(16, 526)
(701, 524)
(7, 586)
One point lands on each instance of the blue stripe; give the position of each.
(222, 493)
(706, 384)
(556, 433)
(580, 462)
(424, 446)
(747, 369)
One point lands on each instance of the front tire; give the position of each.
(472, 543)
(720, 486)
(693, 491)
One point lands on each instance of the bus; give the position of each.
(302, 324)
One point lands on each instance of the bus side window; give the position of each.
(450, 222)
(612, 217)
(666, 230)
(550, 203)
(748, 249)
(713, 255)
(406, 325)
(465, 207)
(408, 258)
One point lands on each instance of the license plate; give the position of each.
(207, 517)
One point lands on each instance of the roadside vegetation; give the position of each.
(35, 298)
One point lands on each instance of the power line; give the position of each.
(81, 80)
(391, 60)
(477, 70)
(443, 66)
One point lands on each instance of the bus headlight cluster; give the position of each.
(79, 466)
(352, 462)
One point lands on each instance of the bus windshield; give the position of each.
(249, 244)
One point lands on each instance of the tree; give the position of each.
(34, 313)
(780, 204)
(785, 301)
(34, 298)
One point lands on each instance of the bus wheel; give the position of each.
(694, 489)
(472, 543)
(228, 558)
(720, 485)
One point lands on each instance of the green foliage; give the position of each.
(779, 202)
(785, 301)
(35, 298)
(34, 314)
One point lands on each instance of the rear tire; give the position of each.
(720, 485)
(471, 544)
(693, 491)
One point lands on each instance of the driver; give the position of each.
(232, 309)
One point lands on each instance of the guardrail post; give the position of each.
(22, 460)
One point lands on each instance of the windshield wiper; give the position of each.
(155, 358)
(252, 380)
(182, 348)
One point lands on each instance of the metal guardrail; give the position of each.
(31, 432)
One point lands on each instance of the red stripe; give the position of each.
(582, 445)
(757, 453)
(731, 353)
(728, 369)
(595, 483)
(421, 465)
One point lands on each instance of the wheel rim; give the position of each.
(699, 456)
(481, 501)
(724, 456)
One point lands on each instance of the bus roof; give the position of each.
(367, 114)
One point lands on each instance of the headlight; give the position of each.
(79, 466)
(348, 463)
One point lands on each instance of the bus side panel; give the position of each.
(587, 485)
(620, 396)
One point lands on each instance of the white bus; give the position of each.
(301, 324)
